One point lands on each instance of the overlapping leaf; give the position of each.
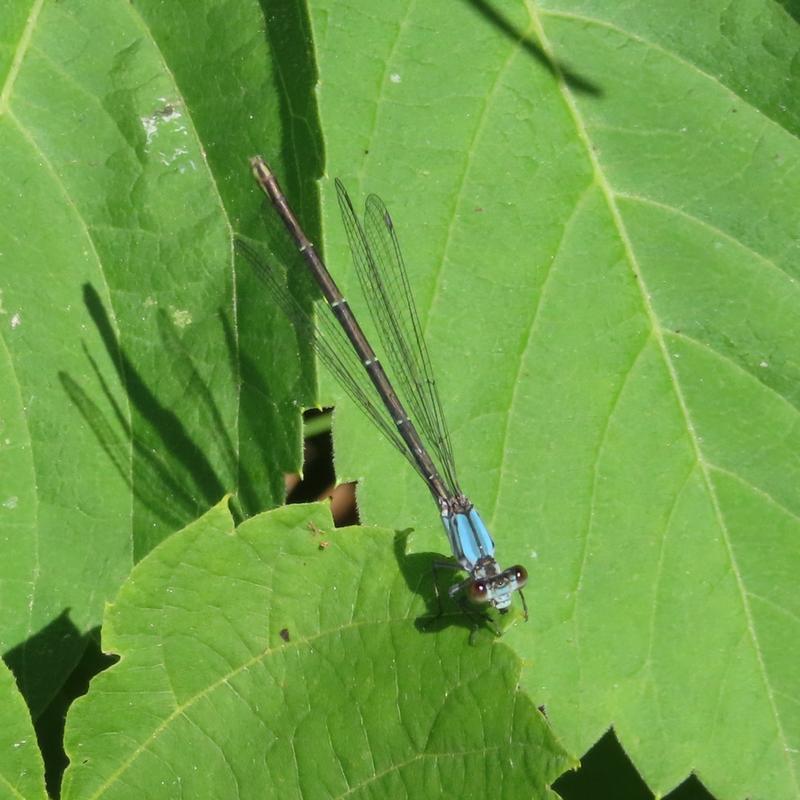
(248, 670)
(128, 406)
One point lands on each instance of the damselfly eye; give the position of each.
(520, 574)
(478, 592)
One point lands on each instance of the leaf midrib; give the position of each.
(657, 332)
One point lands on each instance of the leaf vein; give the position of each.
(19, 55)
(600, 176)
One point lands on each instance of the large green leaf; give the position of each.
(599, 205)
(128, 405)
(599, 210)
(256, 663)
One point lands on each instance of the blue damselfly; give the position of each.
(422, 436)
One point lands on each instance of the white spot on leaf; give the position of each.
(163, 116)
(181, 318)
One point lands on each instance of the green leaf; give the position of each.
(598, 207)
(246, 671)
(598, 204)
(134, 383)
(21, 768)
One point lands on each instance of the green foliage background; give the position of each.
(598, 206)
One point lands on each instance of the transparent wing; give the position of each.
(330, 344)
(384, 283)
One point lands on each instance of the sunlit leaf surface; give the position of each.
(599, 205)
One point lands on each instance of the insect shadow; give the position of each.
(422, 578)
(168, 472)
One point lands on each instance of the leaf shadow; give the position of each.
(287, 30)
(792, 8)
(607, 771)
(51, 724)
(41, 648)
(34, 683)
(556, 68)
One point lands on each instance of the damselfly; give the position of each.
(341, 344)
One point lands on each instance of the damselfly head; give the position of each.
(497, 590)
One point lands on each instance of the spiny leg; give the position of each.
(524, 604)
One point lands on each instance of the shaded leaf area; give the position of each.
(606, 771)
(256, 662)
(49, 725)
(137, 387)
(609, 283)
(21, 768)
